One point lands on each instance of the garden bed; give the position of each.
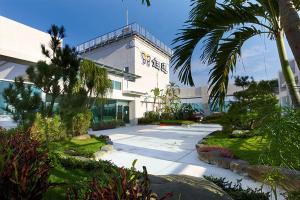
(243, 156)
(248, 149)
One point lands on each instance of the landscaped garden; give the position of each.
(51, 156)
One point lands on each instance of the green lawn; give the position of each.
(248, 149)
(77, 147)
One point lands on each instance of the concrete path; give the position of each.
(166, 150)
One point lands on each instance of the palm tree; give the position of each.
(156, 94)
(290, 21)
(95, 80)
(223, 28)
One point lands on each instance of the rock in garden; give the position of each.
(187, 188)
(82, 137)
(239, 166)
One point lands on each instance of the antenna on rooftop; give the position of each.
(126, 16)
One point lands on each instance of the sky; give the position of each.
(87, 19)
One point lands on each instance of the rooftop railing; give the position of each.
(131, 29)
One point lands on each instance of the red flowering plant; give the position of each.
(24, 169)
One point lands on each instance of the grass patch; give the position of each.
(75, 147)
(248, 149)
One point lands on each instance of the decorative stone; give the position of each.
(258, 172)
(239, 166)
(240, 132)
(107, 147)
(82, 137)
(222, 162)
(187, 187)
(291, 181)
(208, 157)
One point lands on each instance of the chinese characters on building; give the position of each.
(146, 60)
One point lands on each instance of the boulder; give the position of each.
(239, 166)
(291, 181)
(222, 162)
(107, 147)
(82, 137)
(210, 156)
(187, 188)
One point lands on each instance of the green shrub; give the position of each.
(237, 192)
(149, 118)
(81, 123)
(103, 125)
(215, 118)
(53, 128)
(123, 184)
(283, 136)
(25, 170)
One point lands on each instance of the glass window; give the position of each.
(116, 85)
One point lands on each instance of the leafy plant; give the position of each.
(223, 27)
(126, 184)
(81, 122)
(237, 192)
(26, 168)
(103, 125)
(22, 101)
(48, 129)
(283, 135)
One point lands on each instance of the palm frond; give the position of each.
(225, 62)
(210, 30)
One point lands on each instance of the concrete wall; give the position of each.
(20, 41)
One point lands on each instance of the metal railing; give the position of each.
(123, 32)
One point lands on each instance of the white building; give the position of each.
(284, 96)
(20, 46)
(198, 97)
(136, 61)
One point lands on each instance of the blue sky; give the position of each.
(86, 19)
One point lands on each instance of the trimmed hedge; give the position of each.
(104, 125)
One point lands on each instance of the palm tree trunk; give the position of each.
(287, 71)
(290, 22)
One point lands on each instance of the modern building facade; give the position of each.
(20, 46)
(136, 62)
(284, 96)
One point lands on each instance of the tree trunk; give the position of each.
(290, 22)
(287, 71)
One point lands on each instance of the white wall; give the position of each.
(20, 41)
(127, 53)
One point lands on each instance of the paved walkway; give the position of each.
(166, 150)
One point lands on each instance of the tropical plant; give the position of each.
(22, 101)
(283, 136)
(25, 172)
(156, 95)
(59, 76)
(170, 101)
(223, 28)
(95, 79)
(48, 129)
